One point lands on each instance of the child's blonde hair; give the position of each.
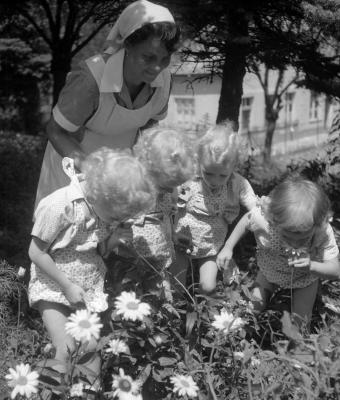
(298, 205)
(120, 180)
(220, 145)
(166, 156)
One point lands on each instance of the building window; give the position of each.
(314, 107)
(245, 113)
(185, 107)
(288, 107)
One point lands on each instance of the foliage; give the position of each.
(65, 27)
(230, 37)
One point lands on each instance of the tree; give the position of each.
(63, 26)
(23, 71)
(231, 34)
(273, 101)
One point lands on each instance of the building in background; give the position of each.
(303, 122)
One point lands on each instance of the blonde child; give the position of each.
(209, 203)
(295, 244)
(67, 271)
(166, 156)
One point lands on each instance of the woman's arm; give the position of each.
(65, 142)
(39, 256)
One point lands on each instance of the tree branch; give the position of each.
(84, 42)
(36, 27)
(49, 15)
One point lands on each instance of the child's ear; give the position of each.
(68, 166)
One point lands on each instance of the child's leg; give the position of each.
(54, 316)
(303, 302)
(208, 273)
(261, 291)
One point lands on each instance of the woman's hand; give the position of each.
(223, 258)
(75, 295)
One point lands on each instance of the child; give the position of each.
(166, 156)
(295, 243)
(67, 271)
(211, 201)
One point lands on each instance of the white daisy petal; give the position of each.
(22, 380)
(184, 385)
(130, 307)
(117, 346)
(125, 388)
(226, 322)
(82, 325)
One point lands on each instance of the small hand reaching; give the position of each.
(223, 258)
(75, 295)
(300, 262)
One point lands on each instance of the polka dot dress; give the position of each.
(79, 261)
(152, 233)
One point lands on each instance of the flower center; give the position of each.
(132, 305)
(226, 324)
(22, 380)
(124, 385)
(184, 383)
(84, 324)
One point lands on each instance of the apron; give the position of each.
(111, 125)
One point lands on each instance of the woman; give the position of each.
(110, 96)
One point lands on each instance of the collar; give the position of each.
(74, 189)
(112, 80)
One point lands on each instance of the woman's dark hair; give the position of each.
(167, 32)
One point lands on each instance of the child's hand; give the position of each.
(183, 242)
(300, 262)
(124, 234)
(223, 258)
(75, 295)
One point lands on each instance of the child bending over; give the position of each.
(166, 156)
(211, 201)
(295, 244)
(67, 271)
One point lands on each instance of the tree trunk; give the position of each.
(234, 70)
(270, 129)
(60, 66)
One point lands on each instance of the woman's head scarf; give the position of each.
(133, 17)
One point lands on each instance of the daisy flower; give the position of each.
(77, 390)
(82, 325)
(227, 323)
(130, 307)
(117, 346)
(184, 385)
(124, 387)
(23, 380)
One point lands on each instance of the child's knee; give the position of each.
(208, 286)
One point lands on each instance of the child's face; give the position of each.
(215, 175)
(107, 213)
(296, 239)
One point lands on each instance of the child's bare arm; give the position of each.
(329, 269)
(40, 257)
(225, 255)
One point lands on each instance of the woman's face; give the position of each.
(144, 61)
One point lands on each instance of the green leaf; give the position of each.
(166, 361)
(49, 380)
(49, 363)
(86, 371)
(145, 373)
(289, 329)
(190, 322)
(87, 357)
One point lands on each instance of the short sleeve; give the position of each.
(248, 197)
(331, 249)
(78, 100)
(51, 217)
(256, 220)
